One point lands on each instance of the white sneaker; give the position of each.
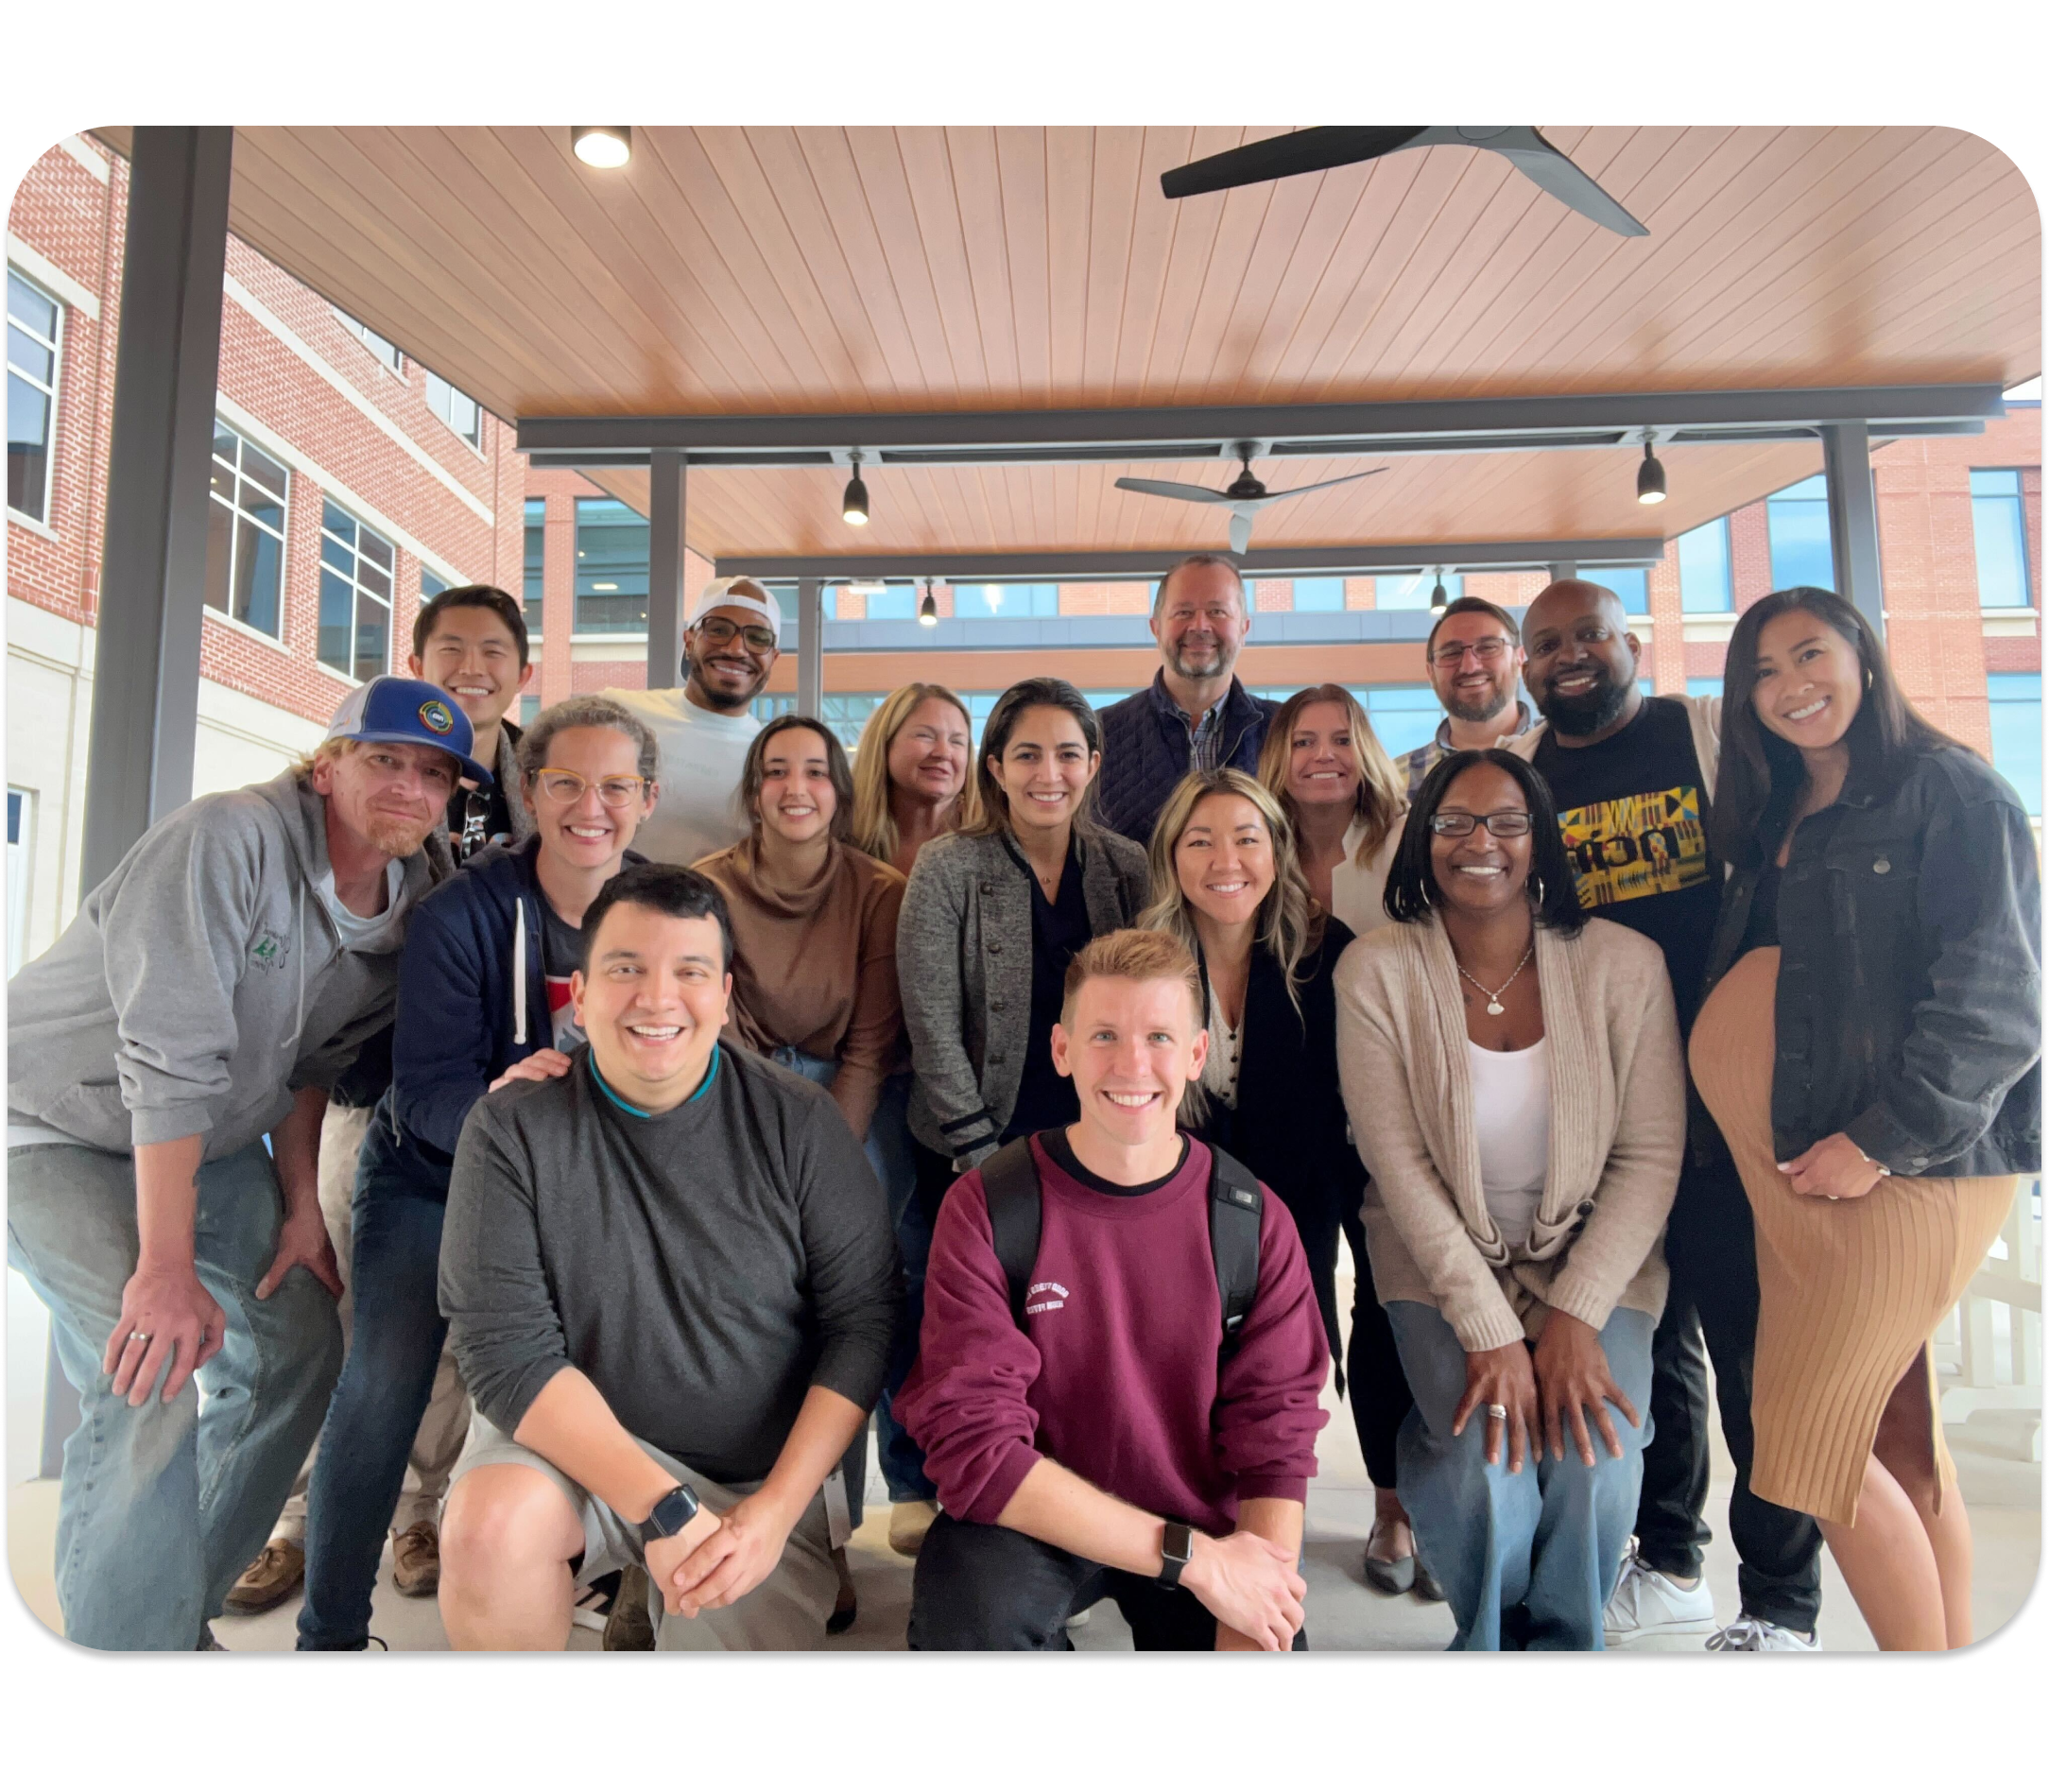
(1648, 1606)
(1759, 1635)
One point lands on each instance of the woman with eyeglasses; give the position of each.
(483, 1000)
(1512, 1071)
(814, 961)
(1870, 1050)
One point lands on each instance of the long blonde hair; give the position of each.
(874, 829)
(1290, 923)
(1382, 796)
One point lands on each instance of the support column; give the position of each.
(666, 603)
(1846, 450)
(1564, 569)
(146, 676)
(810, 646)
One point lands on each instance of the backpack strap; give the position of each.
(1010, 1187)
(1235, 1207)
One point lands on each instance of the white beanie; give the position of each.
(719, 594)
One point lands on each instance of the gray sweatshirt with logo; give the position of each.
(204, 982)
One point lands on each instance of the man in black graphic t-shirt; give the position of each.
(1633, 777)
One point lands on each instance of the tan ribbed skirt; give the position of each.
(1850, 1292)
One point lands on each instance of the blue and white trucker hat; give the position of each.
(411, 710)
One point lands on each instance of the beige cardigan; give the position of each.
(1618, 1130)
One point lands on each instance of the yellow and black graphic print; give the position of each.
(1650, 844)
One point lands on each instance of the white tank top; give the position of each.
(1511, 1112)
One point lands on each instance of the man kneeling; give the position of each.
(1118, 1375)
(670, 1280)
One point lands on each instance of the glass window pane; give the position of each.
(258, 466)
(220, 547)
(26, 304)
(1995, 482)
(341, 558)
(1629, 583)
(1319, 594)
(1411, 590)
(338, 521)
(1704, 582)
(225, 441)
(1800, 553)
(431, 583)
(29, 448)
(372, 628)
(29, 355)
(375, 549)
(338, 617)
(373, 580)
(898, 603)
(1816, 489)
(2002, 540)
(1703, 687)
(2016, 717)
(1404, 716)
(257, 574)
(270, 514)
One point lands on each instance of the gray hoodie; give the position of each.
(203, 983)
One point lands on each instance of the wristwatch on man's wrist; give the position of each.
(672, 1511)
(1177, 1550)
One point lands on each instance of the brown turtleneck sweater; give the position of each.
(816, 968)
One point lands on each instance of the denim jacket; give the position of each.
(1909, 995)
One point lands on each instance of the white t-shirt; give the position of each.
(1511, 1113)
(702, 755)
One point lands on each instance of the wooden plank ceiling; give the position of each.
(824, 269)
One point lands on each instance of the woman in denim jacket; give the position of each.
(1869, 1048)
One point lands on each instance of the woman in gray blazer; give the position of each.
(992, 915)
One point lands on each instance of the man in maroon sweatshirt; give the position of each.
(1105, 1447)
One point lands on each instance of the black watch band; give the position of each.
(672, 1511)
(1176, 1549)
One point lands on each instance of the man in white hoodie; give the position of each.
(204, 996)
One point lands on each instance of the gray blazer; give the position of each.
(964, 949)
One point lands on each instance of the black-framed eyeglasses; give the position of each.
(1487, 651)
(719, 632)
(1503, 824)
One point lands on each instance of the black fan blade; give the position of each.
(1275, 158)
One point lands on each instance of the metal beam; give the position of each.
(1262, 562)
(810, 646)
(1563, 569)
(146, 680)
(1846, 450)
(1161, 431)
(667, 602)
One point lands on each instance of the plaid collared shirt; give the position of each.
(1416, 765)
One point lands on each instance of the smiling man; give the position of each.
(1474, 654)
(1117, 1385)
(471, 639)
(1195, 716)
(671, 1284)
(730, 646)
(1633, 776)
(207, 995)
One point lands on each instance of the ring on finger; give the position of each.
(1496, 1410)
(138, 1338)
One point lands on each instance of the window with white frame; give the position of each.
(245, 534)
(355, 596)
(20, 830)
(456, 409)
(34, 323)
(385, 350)
(1999, 524)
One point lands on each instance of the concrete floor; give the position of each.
(2002, 1488)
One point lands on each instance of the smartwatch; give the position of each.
(1176, 1549)
(672, 1511)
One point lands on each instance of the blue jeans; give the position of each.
(888, 1148)
(163, 1506)
(394, 1350)
(1528, 1560)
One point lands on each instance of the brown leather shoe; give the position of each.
(416, 1560)
(269, 1581)
(630, 1626)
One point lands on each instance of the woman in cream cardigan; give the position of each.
(1513, 1076)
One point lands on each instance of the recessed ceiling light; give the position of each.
(602, 146)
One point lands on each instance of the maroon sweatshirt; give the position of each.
(1115, 1375)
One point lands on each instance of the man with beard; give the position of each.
(207, 995)
(734, 635)
(1474, 654)
(1633, 776)
(1195, 716)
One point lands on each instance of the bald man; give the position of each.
(1633, 776)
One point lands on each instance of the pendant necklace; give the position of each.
(1493, 997)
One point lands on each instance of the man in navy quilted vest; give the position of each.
(1195, 716)
(1095, 1429)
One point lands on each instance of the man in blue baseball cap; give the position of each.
(205, 997)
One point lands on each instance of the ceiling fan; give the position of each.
(1246, 495)
(1338, 145)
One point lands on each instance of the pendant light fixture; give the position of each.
(602, 146)
(1649, 477)
(928, 608)
(1438, 597)
(854, 505)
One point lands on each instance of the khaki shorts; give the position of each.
(787, 1611)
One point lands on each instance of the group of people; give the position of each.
(549, 1147)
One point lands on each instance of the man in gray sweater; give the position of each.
(670, 1280)
(206, 996)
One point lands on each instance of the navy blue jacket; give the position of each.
(472, 1000)
(1146, 751)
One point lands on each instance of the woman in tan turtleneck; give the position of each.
(814, 954)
